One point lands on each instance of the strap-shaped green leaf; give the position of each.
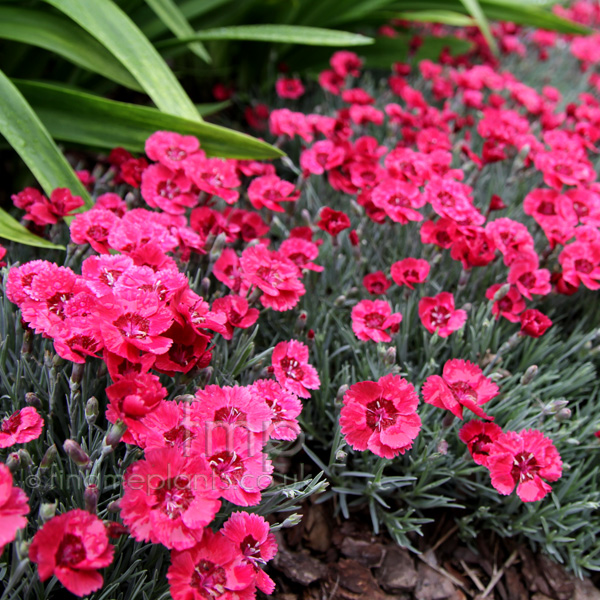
(120, 35)
(27, 135)
(474, 9)
(168, 12)
(11, 229)
(93, 121)
(447, 17)
(287, 34)
(61, 36)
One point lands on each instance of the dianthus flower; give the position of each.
(214, 176)
(581, 264)
(214, 568)
(285, 408)
(72, 547)
(268, 191)
(227, 269)
(479, 436)
(42, 211)
(251, 225)
(437, 313)
(462, 385)
(322, 156)
(410, 271)
(170, 149)
(274, 275)
(13, 508)
(524, 460)
(451, 199)
(526, 276)
(345, 63)
(237, 313)
(93, 227)
(301, 252)
(381, 416)
(509, 306)
(333, 221)
(510, 237)
(289, 87)
(560, 167)
(442, 232)
(399, 200)
(371, 320)
(252, 535)
(534, 323)
(21, 427)
(168, 498)
(376, 283)
(168, 190)
(285, 122)
(292, 370)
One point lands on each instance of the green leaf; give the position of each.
(287, 34)
(61, 36)
(11, 229)
(168, 12)
(474, 9)
(210, 108)
(94, 121)
(120, 35)
(447, 17)
(29, 138)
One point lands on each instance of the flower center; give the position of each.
(374, 320)
(132, 326)
(381, 414)
(583, 266)
(209, 579)
(463, 391)
(546, 208)
(71, 551)
(292, 369)
(440, 316)
(525, 466)
(229, 414)
(228, 465)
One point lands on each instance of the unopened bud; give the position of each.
(442, 447)
(217, 247)
(25, 458)
(341, 456)
(48, 359)
(115, 530)
(32, 400)
(390, 356)
(49, 457)
(292, 520)
(206, 374)
(114, 506)
(339, 301)
(76, 454)
(554, 406)
(188, 398)
(501, 292)
(57, 361)
(27, 345)
(23, 551)
(13, 461)
(512, 343)
(91, 497)
(114, 435)
(301, 322)
(91, 410)
(76, 375)
(306, 217)
(205, 287)
(564, 414)
(47, 511)
(340, 394)
(529, 375)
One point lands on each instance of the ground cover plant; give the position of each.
(396, 319)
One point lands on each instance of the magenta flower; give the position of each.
(437, 313)
(410, 271)
(21, 427)
(371, 320)
(292, 370)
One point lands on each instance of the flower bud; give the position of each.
(115, 530)
(76, 454)
(76, 375)
(529, 375)
(339, 301)
(217, 247)
(205, 287)
(47, 511)
(91, 410)
(442, 447)
(340, 394)
(188, 398)
(554, 406)
(341, 456)
(390, 356)
(114, 506)
(564, 414)
(292, 520)
(13, 462)
(25, 458)
(91, 497)
(32, 400)
(113, 437)
(49, 457)
(501, 292)
(301, 322)
(57, 361)
(27, 345)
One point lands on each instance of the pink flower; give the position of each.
(399, 200)
(214, 568)
(333, 221)
(285, 122)
(214, 176)
(72, 546)
(372, 318)
(93, 227)
(462, 385)
(376, 283)
(13, 508)
(381, 416)
(345, 63)
(288, 87)
(274, 275)
(534, 323)
(581, 264)
(21, 427)
(479, 437)
(237, 313)
(524, 460)
(409, 271)
(301, 252)
(285, 408)
(437, 313)
(322, 156)
(509, 306)
(292, 370)
(168, 190)
(42, 211)
(168, 498)
(268, 191)
(526, 276)
(252, 535)
(170, 149)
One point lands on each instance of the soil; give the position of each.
(335, 559)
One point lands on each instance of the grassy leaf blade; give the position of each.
(11, 229)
